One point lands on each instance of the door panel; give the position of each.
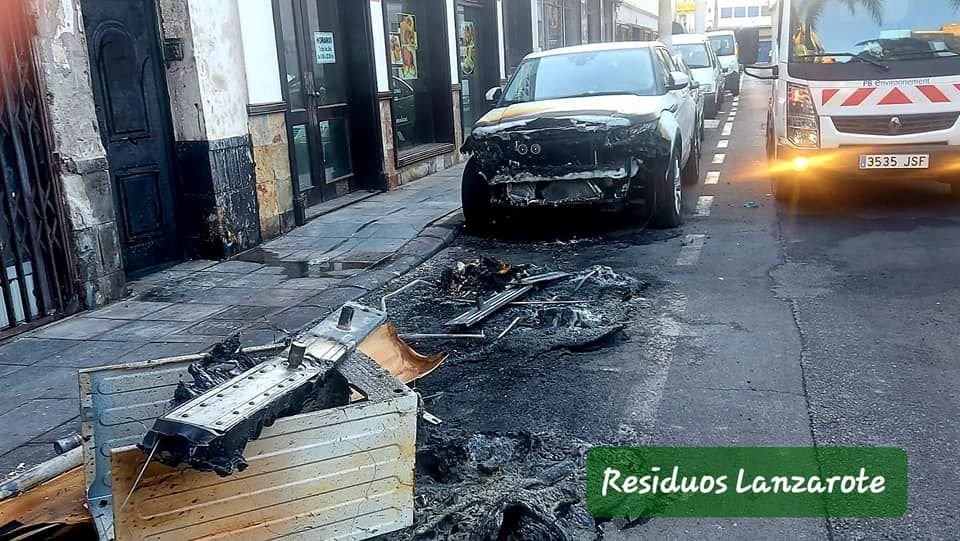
(127, 73)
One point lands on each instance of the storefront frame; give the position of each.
(441, 88)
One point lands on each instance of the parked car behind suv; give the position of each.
(724, 43)
(703, 62)
(611, 125)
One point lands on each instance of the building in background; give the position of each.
(562, 23)
(684, 14)
(165, 130)
(753, 16)
(637, 20)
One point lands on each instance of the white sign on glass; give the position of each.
(326, 52)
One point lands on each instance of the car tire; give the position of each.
(475, 199)
(691, 172)
(786, 189)
(711, 109)
(668, 195)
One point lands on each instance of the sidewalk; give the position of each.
(281, 286)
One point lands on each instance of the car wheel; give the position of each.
(736, 89)
(691, 172)
(475, 199)
(668, 195)
(711, 109)
(786, 189)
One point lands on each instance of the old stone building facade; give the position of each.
(180, 129)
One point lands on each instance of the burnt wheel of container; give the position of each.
(691, 172)
(475, 198)
(668, 195)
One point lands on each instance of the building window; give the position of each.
(559, 23)
(726, 13)
(418, 56)
(740, 12)
(753, 11)
(765, 11)
(594, 11)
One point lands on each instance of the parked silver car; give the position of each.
(705, 65)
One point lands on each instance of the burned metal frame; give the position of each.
(211, 431)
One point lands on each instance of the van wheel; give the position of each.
(786, 189)
(691, 172)
(668, 195)
(475, 199)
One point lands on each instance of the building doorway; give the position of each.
(129, 88)
(328, 86)
(477, 45)
(36, 270)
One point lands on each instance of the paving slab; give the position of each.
(91, 353)
(146, 330)
(27, 351)
(79, 328)
(33, 418)
(128, 309)
(188, 312)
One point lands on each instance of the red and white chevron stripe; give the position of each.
(897, 95)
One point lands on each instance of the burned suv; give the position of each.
(610, 125)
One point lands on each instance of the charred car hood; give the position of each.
(593, 113)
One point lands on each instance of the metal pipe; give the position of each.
(383, 299)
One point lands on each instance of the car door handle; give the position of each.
(673, 108)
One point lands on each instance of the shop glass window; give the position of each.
(726, 13)
(292, 78)
(413, 35)
(559, 23)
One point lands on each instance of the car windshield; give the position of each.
(723, 44)
(883, 30)
(593, 73)
(694, 54)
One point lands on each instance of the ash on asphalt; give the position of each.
(519, 413)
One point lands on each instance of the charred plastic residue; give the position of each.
(552, 160)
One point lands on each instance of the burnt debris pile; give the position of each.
(499, 485)
(481, 276)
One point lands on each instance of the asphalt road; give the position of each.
(829, 323)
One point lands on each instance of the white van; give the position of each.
(724, 43)
(863, 90)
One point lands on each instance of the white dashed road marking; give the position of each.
(713, 177)
(727, 129)
(723, 143)
(711, 124)
(704, 202)
(719, 157)
(690, 251)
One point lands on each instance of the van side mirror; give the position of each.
(680, 81)
(493, 95)
(773, 69)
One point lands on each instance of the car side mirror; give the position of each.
(493, 95)
(680, 81)
(772, 68)
(694, 84)
(725, 70)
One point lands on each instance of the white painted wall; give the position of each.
(501, 32)
(260, 51)
(452, 44)
(380, 60)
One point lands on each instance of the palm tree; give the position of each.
(873, 7)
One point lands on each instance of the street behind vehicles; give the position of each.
(724, 44)
(610, 125)
(703, 62)
(862, 92)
